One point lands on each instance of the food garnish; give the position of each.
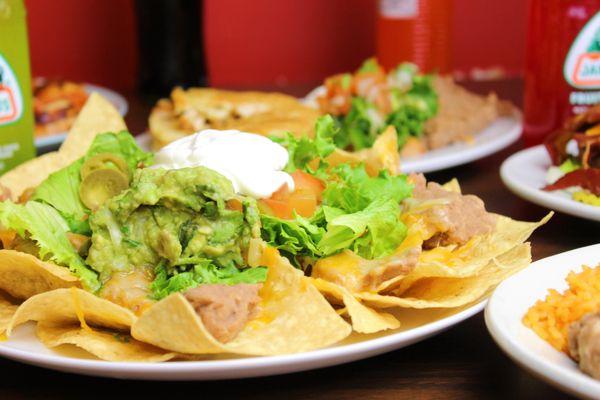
(426, 110)
(575, 154)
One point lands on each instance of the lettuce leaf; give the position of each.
(168, 281)
(296, 238)
(371, 233)
(304, 150)
(48, 229)
(61, 189)
(359, 212)
(354, 190)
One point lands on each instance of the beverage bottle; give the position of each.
(16, 114)
(562, 64)
(418, 31)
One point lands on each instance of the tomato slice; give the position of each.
(304, 200)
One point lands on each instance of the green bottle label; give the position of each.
(16, 113)
(11, 99)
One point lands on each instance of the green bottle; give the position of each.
(16, 114)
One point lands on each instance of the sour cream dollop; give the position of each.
(252, 163)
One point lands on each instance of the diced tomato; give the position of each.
(302, 180)
(304, 200)
(6, 237)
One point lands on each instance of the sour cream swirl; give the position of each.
(252, 163)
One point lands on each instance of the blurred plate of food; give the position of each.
(564, 173)
(546, 318)
(56, 104)
(438, 123)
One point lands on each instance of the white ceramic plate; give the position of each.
(115, 98)
(498, 135)
(524, 173)
(510, 302)
(418, 325)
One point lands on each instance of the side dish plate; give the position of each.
(510, 302)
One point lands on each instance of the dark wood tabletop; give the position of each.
(461, 363)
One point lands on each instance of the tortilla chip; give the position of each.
(455, 292)
(358, 274)
(23, 275)
(31, 173)
(7, 310)
(470, 258)
(364, 319)
(69, 306)
(382, 155)
(294, 317)
(98, 115)
(109, 346)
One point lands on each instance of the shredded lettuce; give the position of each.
(304, 150)
(358, 212)
(360, 127)
(569, 166)
(413, 100)
(48, 229)
(296, 238)
(371, 233)
(61, 189)
(204, 271)
(352, 189)
(369, 65)
(412, 108)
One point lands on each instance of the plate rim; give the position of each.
(527, 358)
(538, 196)
(466, 153)
(244, 367)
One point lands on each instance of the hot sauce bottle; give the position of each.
(16, 114)
(562, 66)
(417, 31)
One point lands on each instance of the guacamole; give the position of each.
(175, 223)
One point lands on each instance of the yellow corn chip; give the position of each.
(364, 319)
(23, 275)
(455, 292)
(109, 346)
(68, 306)
(470, 258)
(7, 310)
(293, 317)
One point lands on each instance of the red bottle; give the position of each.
(562, 66)
(415, 30)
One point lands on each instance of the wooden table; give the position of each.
(462, 363)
